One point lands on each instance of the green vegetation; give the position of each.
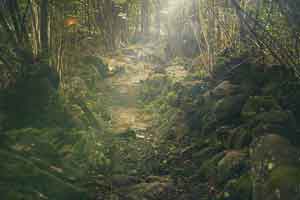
(149, 99)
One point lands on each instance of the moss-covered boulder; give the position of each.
(274, 150)
(284, 183)
(278, 121)
(264, 114)
(232, 165)
(229, 107)
(259, 104)
(234, 137)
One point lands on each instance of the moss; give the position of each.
(97, 63)
(258, 104)
(205, 154)
(277, 121)
(232, 165)
(274, 149)
(24, 180)
(273, 117)
(282, 183)
(240, 189)
(237, 138)
(209, 167)
(244, 138)
(285, 176)
(229, 107)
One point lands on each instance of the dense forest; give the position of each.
(149, 99)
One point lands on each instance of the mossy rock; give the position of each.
(229, 108)
(284, 183)
(252, 74)
(273, 117)
(274, 150)
(277, 121)
(264, 114)
(237, 138)
(239, 189)
(232, 165)
(259, 104)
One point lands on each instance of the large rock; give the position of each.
(265, 115)
(284, 183)
(229, 107)
(278, 121)
(274, 149)
(234, 137)
(259, 104)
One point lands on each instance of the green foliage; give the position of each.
(38, 160)
(258, 104)
(23, 179)
(97, 64)
(55, 142)
(239, 189)
(286, 177)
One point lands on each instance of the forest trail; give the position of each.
(131, 66)
(129, 70)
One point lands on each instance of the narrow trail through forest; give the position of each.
(130, 70)
(130, 67)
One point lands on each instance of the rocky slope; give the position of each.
(232, 136)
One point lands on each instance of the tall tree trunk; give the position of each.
(44, 26)
(211, 34)
(157, 17)
(145, 17)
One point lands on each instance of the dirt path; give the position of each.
(125, 85)
(133, 65)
